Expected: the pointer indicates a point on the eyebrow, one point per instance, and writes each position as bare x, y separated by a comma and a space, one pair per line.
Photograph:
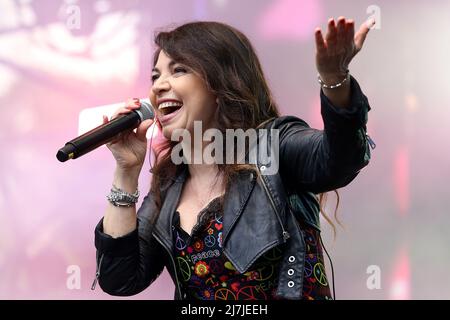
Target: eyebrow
171, 63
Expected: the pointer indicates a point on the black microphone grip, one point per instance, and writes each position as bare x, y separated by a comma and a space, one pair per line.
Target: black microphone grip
103, 133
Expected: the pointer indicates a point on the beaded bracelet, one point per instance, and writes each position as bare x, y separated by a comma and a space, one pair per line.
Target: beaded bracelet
333, 86
120, 198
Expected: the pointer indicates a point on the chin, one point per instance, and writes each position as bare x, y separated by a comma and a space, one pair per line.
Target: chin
168, 130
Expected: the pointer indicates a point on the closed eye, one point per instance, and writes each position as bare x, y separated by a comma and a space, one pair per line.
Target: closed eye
154, 77
175, 70
180, 69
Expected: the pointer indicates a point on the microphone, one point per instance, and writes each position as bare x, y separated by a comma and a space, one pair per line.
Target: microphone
105, 133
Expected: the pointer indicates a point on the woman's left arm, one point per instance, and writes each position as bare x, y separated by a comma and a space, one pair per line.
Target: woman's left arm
333, 56
323, 160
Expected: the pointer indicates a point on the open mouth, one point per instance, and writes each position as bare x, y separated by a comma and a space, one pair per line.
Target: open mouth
169, 107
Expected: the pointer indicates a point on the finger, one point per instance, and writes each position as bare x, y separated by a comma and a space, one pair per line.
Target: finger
350, 31
132, 102
114, 140
341, 34
123, 110
142, 129
105, 119
360, 36
132, 107
331, 34
320, 42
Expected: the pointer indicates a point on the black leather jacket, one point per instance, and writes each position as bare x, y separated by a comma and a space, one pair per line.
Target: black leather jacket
311, 161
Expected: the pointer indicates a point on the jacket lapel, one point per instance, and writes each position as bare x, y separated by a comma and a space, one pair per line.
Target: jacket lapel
251, 227
165, 220
235, 200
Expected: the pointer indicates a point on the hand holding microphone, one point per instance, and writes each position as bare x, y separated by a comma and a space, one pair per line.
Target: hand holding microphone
128, 148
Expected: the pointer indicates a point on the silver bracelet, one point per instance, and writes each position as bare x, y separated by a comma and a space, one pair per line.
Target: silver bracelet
333, 86
120, 198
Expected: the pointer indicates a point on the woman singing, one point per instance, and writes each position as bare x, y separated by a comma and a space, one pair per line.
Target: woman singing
231, 230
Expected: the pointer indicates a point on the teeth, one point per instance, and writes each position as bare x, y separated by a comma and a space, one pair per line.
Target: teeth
169, 104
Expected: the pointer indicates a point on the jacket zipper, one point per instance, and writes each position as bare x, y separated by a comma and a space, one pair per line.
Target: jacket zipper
285, 233
97, 272
371, 142
173, 263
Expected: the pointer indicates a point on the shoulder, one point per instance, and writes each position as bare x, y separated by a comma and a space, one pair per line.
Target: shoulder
287, 121
286, 127
284, 122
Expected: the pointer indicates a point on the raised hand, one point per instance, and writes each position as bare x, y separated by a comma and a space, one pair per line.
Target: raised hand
341, 44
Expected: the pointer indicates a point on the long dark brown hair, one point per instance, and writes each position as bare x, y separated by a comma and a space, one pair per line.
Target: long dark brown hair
226, 60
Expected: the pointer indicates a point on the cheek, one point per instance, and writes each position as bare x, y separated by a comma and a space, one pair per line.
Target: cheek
202, 108
208, 112
152, 99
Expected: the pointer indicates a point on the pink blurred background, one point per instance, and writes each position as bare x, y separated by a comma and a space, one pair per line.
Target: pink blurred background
59, 58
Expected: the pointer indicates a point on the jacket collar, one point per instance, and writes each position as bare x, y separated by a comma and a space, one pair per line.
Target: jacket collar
234, 203
172, 192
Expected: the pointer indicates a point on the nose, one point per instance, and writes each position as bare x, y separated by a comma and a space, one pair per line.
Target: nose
160, 85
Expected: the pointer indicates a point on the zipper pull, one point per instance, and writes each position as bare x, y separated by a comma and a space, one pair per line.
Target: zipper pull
97, 273
286, 235
95, 281
371, 142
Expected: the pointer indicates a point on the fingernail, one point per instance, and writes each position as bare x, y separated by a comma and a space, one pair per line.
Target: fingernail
370, 22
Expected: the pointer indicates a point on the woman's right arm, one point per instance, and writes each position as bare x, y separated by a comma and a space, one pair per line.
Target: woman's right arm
128, 257
119, 221
129, 261
128, 149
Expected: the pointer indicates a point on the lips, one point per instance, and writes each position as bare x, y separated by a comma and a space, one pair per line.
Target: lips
168, 109
164, 118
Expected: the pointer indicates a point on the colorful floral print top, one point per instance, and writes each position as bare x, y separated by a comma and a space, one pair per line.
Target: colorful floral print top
205, 273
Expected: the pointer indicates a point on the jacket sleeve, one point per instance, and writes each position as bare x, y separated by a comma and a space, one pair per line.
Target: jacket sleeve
323, 160
129, 264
